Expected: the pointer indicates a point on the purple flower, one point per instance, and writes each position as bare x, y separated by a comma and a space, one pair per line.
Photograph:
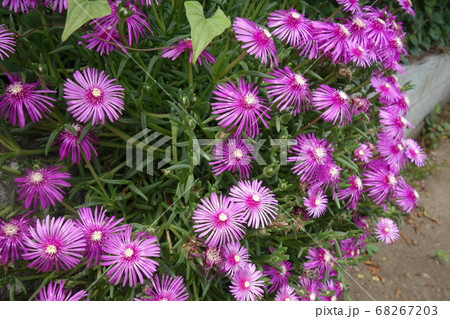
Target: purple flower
54, 243
393, 124
97, 230
232, 155
350, 5
56, 292
257, 41
380, 181
278, 277
20, 5
333, 39
130, 257
315, 203
42, 186
336, 102
406, 196
400, 105
321, 260
13, 234
310, 153
329, 286
257, 202
290, 89
166, 289
349, 248
353, 192
359, 104
7, 42
22, 98
240, 106
357, 26
326, 175
393, 51
415, 153
385, 88
363, 152
362, 56
235, 257
71, 148
246, 284
393, 150
286, 293
290, 26
58, 5
93, 97
386, 230
103, 39
377, 31
407, 6
174, 52
219, 218
310, 287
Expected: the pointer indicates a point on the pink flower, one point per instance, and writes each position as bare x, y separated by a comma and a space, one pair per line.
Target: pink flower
93, 97
166, 289
70, 147
13, 234
336, 102
311, 287
240, 107
380, 180
386, 88
219, 218
257, 202
315, 203
42, 186
290, 89
246, 284
20, 5
326, 175
415, 153
286, 293
54, 243
22, 98
386, 230
321, 261
363, 152
174, 52
235, 258
58, 5
353, 192
56, 292
103, 39
290, 26
278, 278
7, 42
257, 41
406, 196
393, 150
130, 257
333, 39
393, 124
359, 104
407, 6
350, 5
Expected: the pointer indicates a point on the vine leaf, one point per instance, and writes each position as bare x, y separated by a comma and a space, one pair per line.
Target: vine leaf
204, 30
81, 11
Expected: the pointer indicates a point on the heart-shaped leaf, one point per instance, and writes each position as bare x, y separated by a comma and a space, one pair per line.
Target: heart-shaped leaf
81, 11
204, 30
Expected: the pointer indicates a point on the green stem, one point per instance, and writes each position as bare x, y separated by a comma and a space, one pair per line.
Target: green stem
117, 132
6, 144
11, 170
122, 32
68, 207
158, 116
308, 125
6, 210
159, 22
101, 276
2, 67
190, 75
94, 174
233, 64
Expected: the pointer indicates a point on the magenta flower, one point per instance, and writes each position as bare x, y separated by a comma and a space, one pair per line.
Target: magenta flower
174, 52
333, 39
286, 293
56, 292
407, 6
315, 203
130, 257
385, 88
357, 26
42, 186
97, 230
329, 286
232, 155
93, 97
100, 39
309, 153
13, 234
20, 5
350, 5
353, 192
349, 248
400, 105
415, 153
22, 98
166, 289
380, 181
7, 42
393, 51
387, 231
361, 56
290, 26
219, 218
320, 260
326, 175
257, 41
235, 258
290, 90
278, 278
336, 102
58, 5
257, 202
240, 107
364, 153
71, 148
393, 124
406, 196
310, 287
246, 284
377, 31
392, 150
54, 243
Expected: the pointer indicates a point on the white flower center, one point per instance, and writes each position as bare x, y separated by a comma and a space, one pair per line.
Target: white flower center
238, 153
299, 79
400, 147
128, 252
96, 235
407, 100
392, 180
10, 230
360, 23
312, 296
416, 194
360, 49
51, 249
398, 42
387, 230
358, 182
223, 217
256, 198
387, 85
334, 172
317, 202
267, 33
237, 258
246, 284
320, 152
250, 99
404, 120
15, 88
287, 299
381, 21
36, 177
342, 95
344, 30
361, 152
295, 15
327, 257
96, 92
334, 298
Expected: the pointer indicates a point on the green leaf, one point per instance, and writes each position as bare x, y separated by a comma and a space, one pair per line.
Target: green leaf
81, 11
204, 30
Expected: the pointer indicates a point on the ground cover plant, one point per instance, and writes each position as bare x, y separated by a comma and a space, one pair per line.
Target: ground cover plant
184, 150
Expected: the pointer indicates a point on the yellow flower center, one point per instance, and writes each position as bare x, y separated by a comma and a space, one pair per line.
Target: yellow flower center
15, 88
96, 92
36, 177
10, 230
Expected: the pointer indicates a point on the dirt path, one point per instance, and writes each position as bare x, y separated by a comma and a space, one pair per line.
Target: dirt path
405, 270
